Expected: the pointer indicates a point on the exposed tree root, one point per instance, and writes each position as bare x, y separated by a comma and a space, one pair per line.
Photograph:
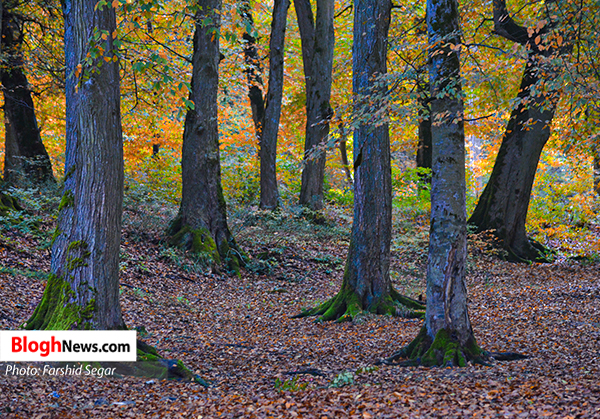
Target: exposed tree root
507, 356
202, 243
8, 203
445, 351
346, 305
534, 252
523, 250
151, 365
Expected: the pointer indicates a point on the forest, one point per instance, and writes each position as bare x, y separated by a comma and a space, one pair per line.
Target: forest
325, 208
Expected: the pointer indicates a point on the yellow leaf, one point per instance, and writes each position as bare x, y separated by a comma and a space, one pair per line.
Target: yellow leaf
107, 59
114, 34
104, 36
115, 3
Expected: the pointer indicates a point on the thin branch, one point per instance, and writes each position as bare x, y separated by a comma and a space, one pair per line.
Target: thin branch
344, 10
487, 46
481, 117
169, 49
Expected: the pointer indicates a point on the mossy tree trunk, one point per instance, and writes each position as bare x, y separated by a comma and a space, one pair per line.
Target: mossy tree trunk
503, 205
83, 289
447, 336
26, 160
7, 203
366, 284
201, 225
269, 195
317, 37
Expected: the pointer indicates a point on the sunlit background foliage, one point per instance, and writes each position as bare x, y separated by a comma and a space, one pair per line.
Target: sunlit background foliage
155, 40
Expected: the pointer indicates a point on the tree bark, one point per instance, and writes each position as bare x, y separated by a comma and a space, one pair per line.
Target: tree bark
424, 159
318, 40
26, 160
83, 288
366, 284
596, 157
446, 290
201, 225
253, 69
269, 195
344, 155
447, 337
503, 205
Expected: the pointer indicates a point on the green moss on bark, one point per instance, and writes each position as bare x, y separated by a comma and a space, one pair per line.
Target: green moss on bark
201, 242
347, 304
150, 364
57, 232
443, 351
77, 254
57, 311
8, 203
67, 200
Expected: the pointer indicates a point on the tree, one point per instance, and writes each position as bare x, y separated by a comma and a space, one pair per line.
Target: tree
366, 284
596, 157
201, 225
447, 337
503, 204
25, 160
317, 37
424, 129
269, 195
266, 112
83, 289
253, 68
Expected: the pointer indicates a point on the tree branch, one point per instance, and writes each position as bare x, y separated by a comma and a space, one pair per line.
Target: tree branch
505, 26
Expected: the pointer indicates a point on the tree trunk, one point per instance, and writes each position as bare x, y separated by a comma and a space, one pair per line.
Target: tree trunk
366, 284
269, 196
317, 53
596, 155
26, 160
447, 337
424, 159
83, 288
201, 225
253, 69
344, 155
503, 204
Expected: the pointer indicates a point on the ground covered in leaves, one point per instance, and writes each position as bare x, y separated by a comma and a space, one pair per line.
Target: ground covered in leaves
237, 333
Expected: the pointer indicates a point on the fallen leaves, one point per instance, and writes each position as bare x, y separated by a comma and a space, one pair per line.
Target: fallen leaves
237, 334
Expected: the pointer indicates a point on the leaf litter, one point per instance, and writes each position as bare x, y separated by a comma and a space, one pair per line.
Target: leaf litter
237, 334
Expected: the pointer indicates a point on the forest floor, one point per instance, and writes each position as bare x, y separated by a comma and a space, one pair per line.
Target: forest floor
237, 333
